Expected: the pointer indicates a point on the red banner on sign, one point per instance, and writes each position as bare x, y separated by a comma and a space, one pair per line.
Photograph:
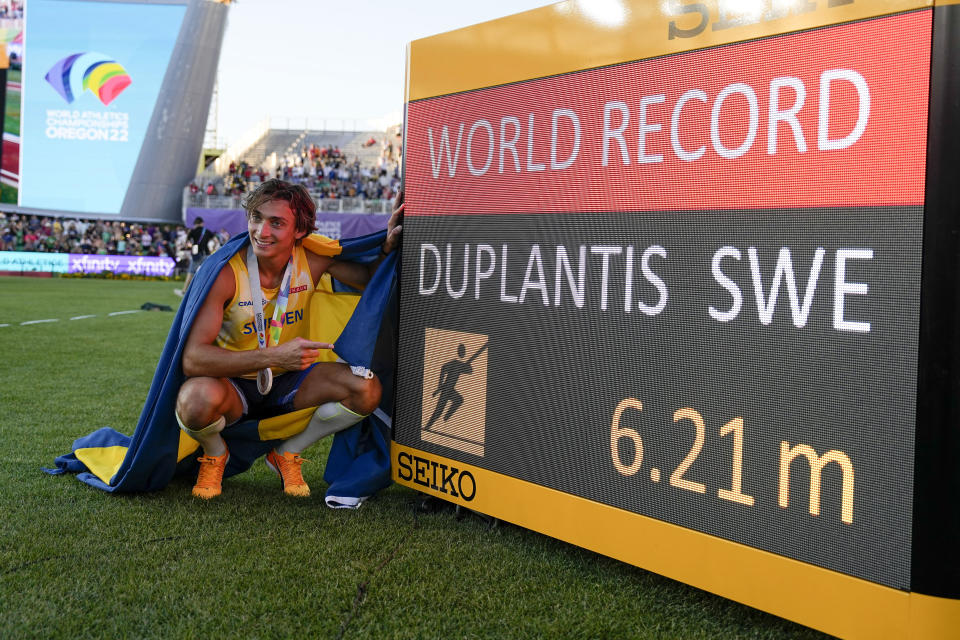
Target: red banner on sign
830, 117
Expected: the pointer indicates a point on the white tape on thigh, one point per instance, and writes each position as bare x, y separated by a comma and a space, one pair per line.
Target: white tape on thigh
357, 370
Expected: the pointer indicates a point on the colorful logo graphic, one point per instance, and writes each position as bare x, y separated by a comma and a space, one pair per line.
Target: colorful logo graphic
455, 390
99, 73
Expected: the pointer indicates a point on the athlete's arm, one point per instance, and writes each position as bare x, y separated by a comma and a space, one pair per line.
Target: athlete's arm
357, 274
201, 357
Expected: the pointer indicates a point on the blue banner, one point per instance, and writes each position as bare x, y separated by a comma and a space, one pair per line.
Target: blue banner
90, 83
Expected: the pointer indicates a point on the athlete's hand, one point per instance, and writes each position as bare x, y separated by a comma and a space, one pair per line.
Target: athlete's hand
394, 225
298, 354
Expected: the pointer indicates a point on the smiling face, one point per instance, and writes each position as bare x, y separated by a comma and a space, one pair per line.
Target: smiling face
273, 231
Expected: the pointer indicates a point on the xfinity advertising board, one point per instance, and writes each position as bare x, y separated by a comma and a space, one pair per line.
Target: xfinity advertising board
27, 261
90, 82
669, 308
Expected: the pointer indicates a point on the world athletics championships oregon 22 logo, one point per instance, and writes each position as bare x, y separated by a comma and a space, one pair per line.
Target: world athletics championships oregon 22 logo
76, 73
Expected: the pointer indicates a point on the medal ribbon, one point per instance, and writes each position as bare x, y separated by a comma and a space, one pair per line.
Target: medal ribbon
265, 376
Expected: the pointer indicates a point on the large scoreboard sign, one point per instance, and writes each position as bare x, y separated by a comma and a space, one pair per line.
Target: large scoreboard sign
679, 286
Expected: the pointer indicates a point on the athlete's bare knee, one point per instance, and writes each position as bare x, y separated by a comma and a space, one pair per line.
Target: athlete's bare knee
365, 396
199, 401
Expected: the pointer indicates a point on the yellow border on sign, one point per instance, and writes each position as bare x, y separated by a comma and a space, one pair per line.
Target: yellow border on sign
820, 598
566, 37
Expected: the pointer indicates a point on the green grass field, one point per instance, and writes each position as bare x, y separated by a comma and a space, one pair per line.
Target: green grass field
78, 562
11, 124
11, 120
8, 194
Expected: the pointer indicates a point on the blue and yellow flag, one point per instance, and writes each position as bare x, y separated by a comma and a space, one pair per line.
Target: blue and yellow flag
359, 462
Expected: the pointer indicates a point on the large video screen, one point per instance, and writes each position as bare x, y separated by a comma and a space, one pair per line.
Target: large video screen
91, 77
685, 287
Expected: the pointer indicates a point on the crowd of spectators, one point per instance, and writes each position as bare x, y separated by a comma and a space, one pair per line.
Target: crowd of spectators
103, 237
11, 9
240, 178
327, 173
324, 171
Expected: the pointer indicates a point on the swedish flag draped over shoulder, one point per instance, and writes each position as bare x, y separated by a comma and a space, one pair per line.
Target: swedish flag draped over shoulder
359, 462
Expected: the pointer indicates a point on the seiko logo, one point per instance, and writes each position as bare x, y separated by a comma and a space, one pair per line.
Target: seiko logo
727, 15
434, 475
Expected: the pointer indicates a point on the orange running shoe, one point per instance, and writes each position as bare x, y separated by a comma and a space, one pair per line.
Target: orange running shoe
210, 476
287, 466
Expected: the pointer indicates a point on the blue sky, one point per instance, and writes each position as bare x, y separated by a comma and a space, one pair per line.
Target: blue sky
338, 60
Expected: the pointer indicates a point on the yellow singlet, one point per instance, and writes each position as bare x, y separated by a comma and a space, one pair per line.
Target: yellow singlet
237, 332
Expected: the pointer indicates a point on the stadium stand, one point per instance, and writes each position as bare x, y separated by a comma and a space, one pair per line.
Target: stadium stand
345, 171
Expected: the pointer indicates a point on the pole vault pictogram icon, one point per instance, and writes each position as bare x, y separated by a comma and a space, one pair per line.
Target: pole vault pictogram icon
450, 373
455, 389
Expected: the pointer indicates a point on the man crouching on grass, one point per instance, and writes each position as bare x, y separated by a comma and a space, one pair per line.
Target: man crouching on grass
231, 341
